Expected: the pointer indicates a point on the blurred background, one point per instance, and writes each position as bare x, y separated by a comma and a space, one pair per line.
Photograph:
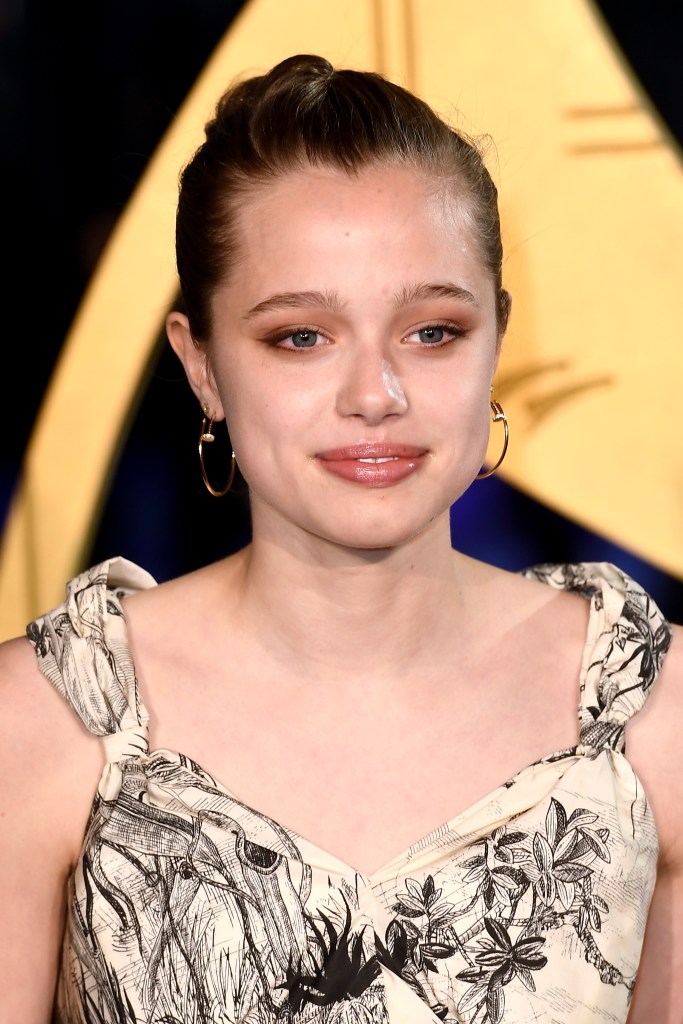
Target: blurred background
86, 94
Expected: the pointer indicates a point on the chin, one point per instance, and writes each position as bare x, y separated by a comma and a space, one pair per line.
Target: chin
380, 537
383, 525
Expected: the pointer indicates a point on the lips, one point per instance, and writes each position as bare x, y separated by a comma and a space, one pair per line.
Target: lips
373, 464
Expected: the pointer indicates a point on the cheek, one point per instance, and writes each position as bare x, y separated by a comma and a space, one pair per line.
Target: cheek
460, 399
464, 422
265, 411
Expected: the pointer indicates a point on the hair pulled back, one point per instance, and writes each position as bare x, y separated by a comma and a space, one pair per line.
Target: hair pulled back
304, 111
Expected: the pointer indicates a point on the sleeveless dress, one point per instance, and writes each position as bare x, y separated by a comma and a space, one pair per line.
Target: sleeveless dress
187, 905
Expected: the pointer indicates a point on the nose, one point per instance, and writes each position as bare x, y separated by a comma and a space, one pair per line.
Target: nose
370, 389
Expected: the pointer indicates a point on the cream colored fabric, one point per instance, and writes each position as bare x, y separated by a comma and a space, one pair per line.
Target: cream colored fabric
188, 905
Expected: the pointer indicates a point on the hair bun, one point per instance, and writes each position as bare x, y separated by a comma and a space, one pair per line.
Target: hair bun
302, 65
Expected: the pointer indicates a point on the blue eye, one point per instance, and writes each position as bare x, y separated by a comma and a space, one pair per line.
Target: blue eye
431, 335
304, 339
434, 335
298, 339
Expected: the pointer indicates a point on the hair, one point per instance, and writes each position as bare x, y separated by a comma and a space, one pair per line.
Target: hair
305, 112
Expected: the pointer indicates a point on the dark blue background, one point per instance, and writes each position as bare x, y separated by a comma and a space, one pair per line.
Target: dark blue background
85, 95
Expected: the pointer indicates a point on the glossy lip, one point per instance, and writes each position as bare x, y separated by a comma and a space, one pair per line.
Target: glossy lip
403, 461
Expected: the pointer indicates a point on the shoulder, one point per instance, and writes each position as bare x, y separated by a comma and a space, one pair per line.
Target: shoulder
49, 767
545, 600
176, 614
31, 709
654, 748
671, 676
50, 763
50, 709
37, 725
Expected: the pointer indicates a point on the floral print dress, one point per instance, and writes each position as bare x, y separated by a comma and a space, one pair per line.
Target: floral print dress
187, 905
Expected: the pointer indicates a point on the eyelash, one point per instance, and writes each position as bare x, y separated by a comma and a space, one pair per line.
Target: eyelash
452, 329
276, 339
440, 325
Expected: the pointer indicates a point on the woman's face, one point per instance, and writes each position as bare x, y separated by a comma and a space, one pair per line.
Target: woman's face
353, 350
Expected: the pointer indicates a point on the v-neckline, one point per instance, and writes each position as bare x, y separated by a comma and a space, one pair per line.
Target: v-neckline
425, 841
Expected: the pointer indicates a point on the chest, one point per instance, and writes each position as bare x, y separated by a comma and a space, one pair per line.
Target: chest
300, 928
364, 774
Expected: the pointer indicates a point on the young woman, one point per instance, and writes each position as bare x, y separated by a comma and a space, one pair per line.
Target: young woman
344, 779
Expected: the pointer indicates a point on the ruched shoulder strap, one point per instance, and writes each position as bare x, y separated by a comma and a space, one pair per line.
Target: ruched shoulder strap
82, 648
627, 639
625, 649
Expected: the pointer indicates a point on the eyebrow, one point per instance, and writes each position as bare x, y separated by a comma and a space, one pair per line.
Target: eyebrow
445, 290
331, 301
290, 300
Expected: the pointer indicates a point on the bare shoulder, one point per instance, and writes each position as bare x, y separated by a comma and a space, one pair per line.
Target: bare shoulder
531, 585
28, 702
164, 620
654, 749
514, 599
49, 767
27, 698
44, 748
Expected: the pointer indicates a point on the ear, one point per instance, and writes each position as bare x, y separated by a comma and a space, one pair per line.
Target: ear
195, 359
505, 306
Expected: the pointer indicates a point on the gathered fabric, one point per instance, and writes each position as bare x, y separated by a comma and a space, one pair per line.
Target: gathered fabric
187, 905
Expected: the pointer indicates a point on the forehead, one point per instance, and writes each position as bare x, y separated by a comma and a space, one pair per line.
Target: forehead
333, 194
382, 222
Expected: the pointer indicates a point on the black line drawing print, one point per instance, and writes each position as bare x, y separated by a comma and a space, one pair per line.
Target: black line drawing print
189, 906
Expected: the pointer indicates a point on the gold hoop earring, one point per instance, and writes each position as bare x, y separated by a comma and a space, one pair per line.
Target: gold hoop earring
206, 436
497, 415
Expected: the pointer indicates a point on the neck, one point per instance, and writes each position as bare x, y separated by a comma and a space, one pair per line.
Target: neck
333, 612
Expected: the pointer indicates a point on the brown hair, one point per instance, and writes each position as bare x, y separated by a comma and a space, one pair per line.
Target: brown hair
305, 111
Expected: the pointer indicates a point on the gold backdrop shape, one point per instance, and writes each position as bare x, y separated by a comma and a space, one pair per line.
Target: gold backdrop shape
592, 205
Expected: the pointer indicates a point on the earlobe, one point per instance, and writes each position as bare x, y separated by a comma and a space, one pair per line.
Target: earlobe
194, 358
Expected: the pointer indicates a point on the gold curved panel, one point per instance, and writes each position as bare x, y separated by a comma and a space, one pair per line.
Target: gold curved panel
592, 208
592, 204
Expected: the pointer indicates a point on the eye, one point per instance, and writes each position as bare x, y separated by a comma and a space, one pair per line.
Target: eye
431, 335
299, 340
434, 335
303, 339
